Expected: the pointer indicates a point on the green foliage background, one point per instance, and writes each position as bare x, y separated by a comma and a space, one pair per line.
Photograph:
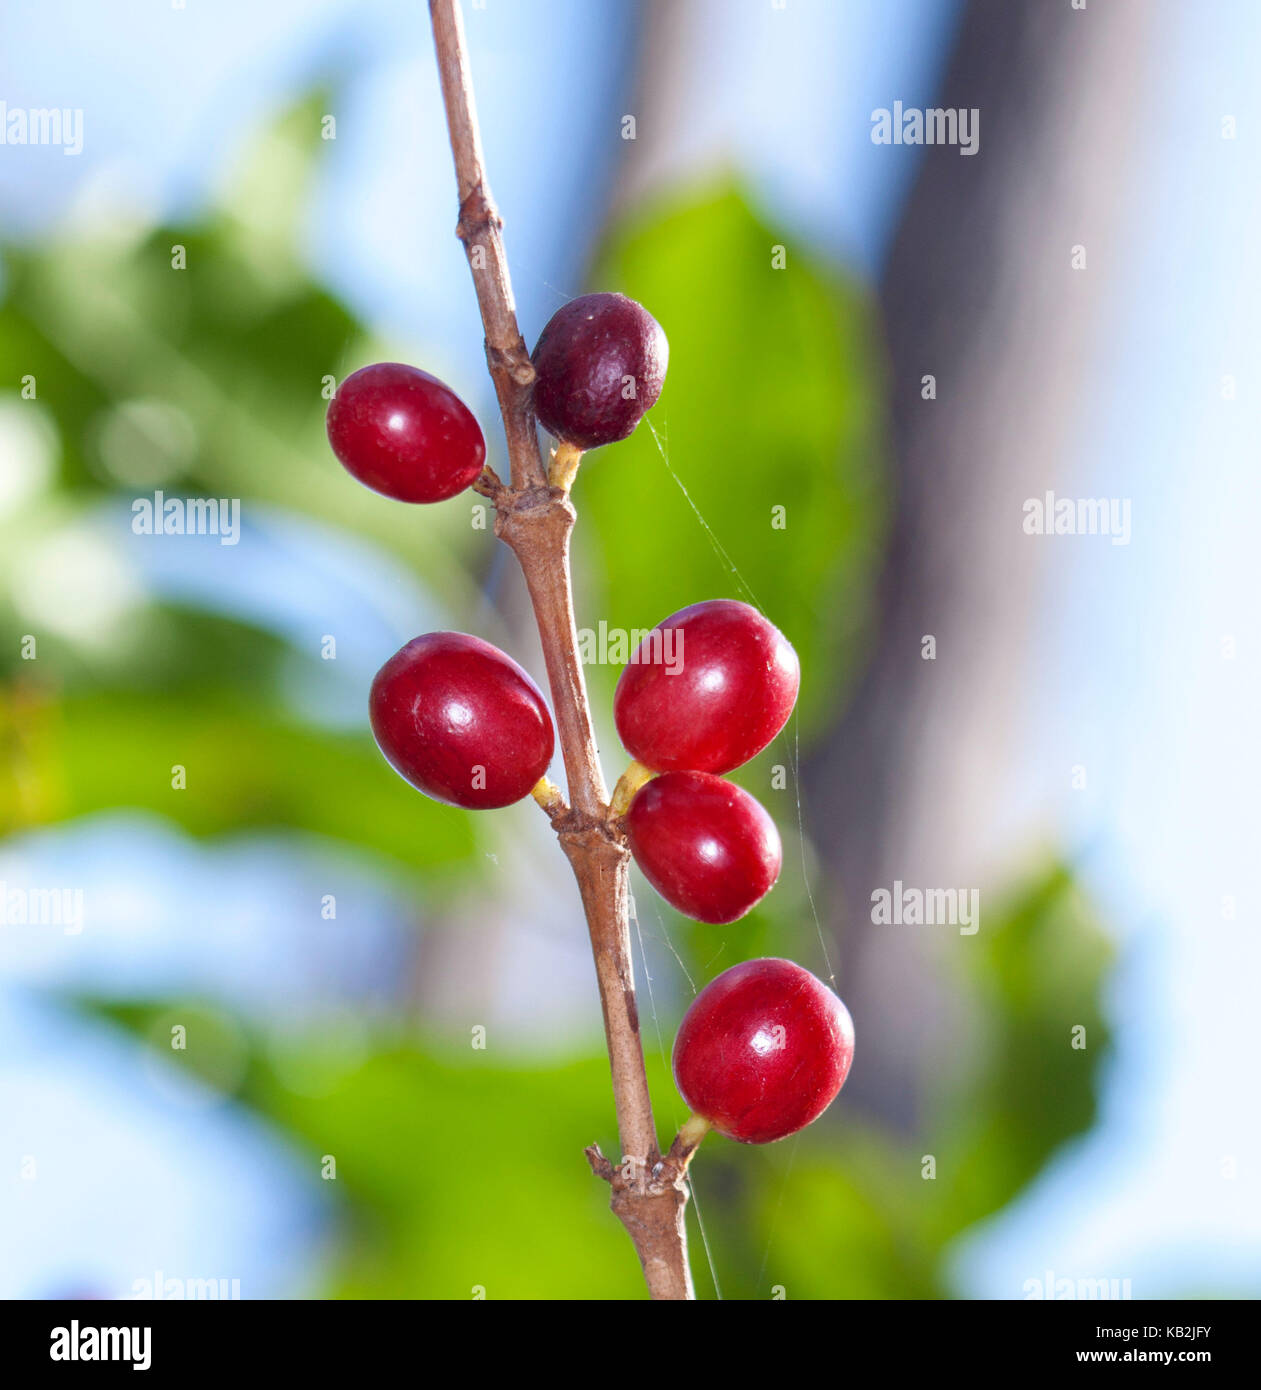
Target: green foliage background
457, 1171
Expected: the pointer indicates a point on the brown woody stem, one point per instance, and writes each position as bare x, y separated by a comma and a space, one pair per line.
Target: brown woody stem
535, 518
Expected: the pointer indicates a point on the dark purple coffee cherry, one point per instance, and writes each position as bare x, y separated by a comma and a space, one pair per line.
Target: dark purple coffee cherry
600, 364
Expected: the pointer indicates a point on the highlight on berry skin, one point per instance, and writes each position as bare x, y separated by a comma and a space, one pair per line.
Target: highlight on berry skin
461, 721
706, 845
727, 690
763, 1051
600, 364
405, 434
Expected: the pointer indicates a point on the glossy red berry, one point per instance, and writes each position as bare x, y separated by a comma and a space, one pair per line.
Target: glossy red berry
704, 844
763, 1050
600, 365
707, 689
461, 721
404, 433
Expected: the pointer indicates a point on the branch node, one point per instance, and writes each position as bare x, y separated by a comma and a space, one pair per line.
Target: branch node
600, 1165
477, 213
489, 484
514, 361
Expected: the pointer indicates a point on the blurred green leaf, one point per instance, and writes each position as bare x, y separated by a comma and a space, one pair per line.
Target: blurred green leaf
840, 1222
247, 767
1038, 977
231, 353
465, 1172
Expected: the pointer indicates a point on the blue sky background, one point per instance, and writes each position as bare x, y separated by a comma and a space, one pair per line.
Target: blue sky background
1143, 696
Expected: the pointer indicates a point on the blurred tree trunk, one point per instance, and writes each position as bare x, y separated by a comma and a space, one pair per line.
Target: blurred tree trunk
915, 781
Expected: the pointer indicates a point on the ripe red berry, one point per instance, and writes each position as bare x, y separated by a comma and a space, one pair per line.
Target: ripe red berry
707, 689
404, 433
600, 365
704, 844
461, 721
763, 1050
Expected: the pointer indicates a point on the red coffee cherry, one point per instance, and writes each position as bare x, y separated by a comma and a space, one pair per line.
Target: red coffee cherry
704, 844
405, 434
763, 1050
600, 364
461, 721
707, 689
